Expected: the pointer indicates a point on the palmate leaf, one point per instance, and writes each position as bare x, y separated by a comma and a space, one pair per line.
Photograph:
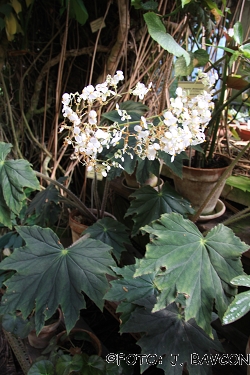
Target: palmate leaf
42, 367
49, 275
170, 338
112, 233
149, 205
14, 176
199, 267
45, 205
130, 288
5, 212
176, 165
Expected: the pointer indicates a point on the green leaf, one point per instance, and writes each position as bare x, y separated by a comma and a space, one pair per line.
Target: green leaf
158, 32
130, 288
43, 367
201, 56
55, 276
93, 365
238, 33
5, 212
150, 5
78, 11
188, 263
245, 49
112, 233
149, 205
176, 165
66, 364
166, 334
114, 369
45, 205
241, 304
14, 176
144, 168
6, 9
134, 109
185, 2
17, 325
136, 4
198, 58
239, 182
238, 308
212, 5
243, 280
181, 69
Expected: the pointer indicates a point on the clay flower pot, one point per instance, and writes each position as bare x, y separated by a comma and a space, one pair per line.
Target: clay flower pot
67, 340
244, 131
42, 340
197, 183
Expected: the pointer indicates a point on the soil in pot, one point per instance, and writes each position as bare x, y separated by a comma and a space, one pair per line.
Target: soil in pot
197, 183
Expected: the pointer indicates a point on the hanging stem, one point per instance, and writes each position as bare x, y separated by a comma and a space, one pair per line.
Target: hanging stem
238, 216
105, 197
79, 204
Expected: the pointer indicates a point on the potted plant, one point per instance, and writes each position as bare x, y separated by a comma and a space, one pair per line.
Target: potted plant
157, 287
204, 160
78, 351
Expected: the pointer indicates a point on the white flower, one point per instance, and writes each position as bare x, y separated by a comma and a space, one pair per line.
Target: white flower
170, 119
92, 117
140, 90
137, 128
144, 122
178, 91
119, 75
122, 113
77, 130
66, 99
73, 117
100, 134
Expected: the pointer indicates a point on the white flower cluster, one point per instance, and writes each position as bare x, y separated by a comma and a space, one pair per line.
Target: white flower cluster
181, 125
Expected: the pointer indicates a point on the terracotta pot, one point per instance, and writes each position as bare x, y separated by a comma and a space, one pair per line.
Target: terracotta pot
77, 227
63, 338
197, 183
244, 131
131, 182
46, 334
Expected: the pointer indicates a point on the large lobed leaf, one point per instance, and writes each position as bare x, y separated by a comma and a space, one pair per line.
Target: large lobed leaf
49, 275
14, 176
199, 267
170, 338
46, 206
130, 288
112, 233
149, 204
